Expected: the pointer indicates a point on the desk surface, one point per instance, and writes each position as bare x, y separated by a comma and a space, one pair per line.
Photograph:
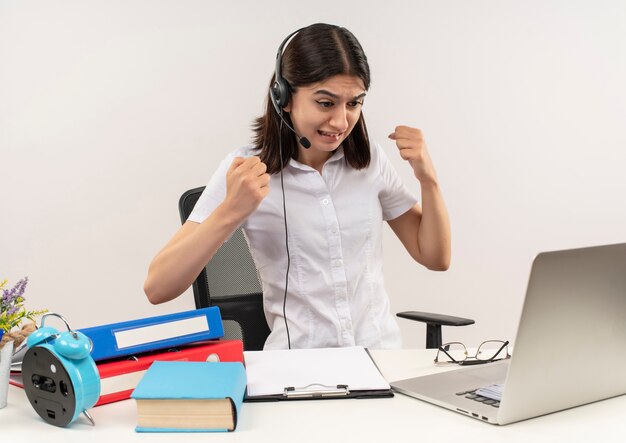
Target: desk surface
397, 419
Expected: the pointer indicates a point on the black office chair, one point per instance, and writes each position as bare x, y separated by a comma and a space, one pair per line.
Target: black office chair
230, 281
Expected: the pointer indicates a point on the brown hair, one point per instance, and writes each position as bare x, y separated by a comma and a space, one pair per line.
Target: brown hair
315, 53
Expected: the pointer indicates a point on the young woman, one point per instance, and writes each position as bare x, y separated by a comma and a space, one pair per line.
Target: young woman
338, 189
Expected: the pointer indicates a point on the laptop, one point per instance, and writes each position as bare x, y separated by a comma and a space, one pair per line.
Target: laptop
570, 348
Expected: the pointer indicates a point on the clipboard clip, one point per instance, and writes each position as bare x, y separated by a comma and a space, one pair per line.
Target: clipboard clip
316, 390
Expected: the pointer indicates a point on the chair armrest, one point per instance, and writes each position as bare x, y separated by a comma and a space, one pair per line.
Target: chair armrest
434, 323
436, 319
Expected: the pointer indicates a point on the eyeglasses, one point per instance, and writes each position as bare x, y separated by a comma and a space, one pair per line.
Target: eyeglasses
488, 351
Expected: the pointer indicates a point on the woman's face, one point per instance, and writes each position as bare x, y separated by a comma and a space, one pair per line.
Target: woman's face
326, 112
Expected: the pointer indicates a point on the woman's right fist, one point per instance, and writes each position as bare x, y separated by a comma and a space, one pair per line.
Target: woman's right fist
247, 184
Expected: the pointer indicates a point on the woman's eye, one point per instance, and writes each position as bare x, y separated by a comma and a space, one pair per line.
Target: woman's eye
325, 104
355, 104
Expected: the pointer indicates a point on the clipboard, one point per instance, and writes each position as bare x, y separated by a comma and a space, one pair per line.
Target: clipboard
313, 374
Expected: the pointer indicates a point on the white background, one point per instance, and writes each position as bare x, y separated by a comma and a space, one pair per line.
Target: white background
110, 110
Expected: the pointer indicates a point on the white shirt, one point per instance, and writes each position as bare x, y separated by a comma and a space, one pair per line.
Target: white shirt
336, 295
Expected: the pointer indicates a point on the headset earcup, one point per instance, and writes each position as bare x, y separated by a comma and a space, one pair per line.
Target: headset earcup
73, 345
280, 92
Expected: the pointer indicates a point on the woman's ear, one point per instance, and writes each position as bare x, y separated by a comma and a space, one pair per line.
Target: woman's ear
288, 107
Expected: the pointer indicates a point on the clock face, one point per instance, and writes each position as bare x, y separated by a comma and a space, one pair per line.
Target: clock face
48, 386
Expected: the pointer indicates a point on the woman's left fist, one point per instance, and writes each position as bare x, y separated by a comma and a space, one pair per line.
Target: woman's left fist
410, 143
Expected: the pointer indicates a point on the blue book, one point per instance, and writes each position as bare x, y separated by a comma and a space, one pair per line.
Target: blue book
154, 333
185, 396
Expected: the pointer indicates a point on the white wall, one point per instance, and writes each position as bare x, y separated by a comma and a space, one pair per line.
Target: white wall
109, 110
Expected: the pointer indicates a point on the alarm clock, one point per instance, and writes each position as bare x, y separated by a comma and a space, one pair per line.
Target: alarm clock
60, 377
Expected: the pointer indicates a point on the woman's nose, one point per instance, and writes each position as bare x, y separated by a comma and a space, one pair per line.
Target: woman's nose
339, 119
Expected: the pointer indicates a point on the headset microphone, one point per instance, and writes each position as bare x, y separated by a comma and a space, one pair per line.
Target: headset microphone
306, 144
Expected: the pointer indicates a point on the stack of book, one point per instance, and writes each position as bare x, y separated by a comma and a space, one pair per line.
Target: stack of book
124, 351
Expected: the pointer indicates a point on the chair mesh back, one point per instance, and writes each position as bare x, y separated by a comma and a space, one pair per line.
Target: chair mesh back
231, 271
232, 330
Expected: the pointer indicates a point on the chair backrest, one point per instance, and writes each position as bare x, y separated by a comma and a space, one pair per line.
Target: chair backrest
230, 281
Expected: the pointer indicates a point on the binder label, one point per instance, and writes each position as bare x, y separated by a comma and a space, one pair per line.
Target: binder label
161, 331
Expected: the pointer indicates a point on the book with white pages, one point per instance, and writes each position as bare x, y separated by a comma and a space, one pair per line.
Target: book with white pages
306, 374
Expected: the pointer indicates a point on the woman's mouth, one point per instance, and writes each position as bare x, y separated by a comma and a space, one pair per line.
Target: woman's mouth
330, 136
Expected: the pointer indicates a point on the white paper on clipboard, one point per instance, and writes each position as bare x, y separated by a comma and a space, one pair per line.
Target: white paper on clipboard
271, 372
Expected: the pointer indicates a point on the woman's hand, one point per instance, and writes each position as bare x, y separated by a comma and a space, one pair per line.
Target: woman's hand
410, 142
247, 184
423, 230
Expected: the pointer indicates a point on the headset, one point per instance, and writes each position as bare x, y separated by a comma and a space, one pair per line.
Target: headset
279, 95
280, 91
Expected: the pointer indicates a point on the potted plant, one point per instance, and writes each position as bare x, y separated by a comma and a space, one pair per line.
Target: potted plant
12, 314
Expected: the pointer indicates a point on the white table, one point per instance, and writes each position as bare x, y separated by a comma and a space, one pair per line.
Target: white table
386, 420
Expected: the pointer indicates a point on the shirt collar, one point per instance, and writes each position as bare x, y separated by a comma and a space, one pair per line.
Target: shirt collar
337, 155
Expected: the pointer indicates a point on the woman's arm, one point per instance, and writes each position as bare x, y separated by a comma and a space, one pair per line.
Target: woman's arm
178, 264
424, 231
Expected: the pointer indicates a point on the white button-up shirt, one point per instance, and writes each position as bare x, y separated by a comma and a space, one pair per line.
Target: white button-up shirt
336, 294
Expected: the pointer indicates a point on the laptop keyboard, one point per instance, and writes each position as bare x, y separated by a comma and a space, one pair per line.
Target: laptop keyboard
472, 395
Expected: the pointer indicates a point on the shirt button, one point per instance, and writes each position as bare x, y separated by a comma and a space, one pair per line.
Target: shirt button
338, 263
325, 201
334, 230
